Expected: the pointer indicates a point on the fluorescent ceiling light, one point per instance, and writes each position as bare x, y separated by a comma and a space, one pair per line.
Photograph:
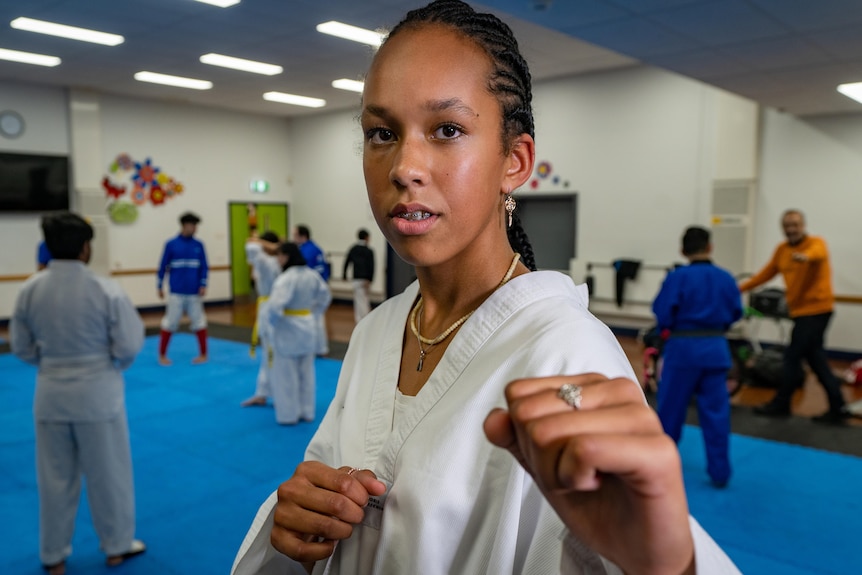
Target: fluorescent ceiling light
220, 3
240, 64
349, 85
177, 81
349, 32
295, 100
853, 90
64, 31
28, 58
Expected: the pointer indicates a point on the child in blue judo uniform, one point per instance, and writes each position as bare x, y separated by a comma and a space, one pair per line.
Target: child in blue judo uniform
697, 303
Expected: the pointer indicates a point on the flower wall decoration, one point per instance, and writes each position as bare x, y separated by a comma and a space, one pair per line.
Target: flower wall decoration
544, 172
133, 184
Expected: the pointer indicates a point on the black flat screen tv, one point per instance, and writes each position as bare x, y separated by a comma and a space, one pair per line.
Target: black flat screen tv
33, 182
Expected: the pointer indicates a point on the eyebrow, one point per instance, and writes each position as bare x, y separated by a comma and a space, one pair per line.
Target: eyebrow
453, 104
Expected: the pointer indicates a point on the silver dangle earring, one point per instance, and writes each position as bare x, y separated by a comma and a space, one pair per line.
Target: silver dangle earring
510, 204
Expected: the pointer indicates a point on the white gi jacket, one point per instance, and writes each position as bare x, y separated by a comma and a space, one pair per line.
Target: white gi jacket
456, 503
265, 268
82, 331
301, 293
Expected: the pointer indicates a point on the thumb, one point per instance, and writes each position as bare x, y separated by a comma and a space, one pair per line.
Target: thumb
370, 482
499, 431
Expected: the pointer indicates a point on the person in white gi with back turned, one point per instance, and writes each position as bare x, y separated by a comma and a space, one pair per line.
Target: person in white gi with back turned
265, 268
406, 473
298, 295
82, 331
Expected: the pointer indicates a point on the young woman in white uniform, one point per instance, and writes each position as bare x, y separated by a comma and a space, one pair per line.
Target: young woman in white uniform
297, 295
401, 477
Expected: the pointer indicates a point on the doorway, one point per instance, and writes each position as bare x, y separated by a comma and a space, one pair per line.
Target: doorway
244, 218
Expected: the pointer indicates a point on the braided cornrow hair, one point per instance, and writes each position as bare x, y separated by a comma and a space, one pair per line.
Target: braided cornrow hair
509, 81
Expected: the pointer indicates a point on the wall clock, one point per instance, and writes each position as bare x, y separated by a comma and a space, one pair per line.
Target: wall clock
11, 124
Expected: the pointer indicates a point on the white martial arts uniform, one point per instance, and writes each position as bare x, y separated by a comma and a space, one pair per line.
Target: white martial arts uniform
264, 268
82, 331
298, 295
456, 503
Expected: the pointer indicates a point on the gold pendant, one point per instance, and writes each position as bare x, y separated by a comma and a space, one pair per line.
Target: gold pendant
421, 360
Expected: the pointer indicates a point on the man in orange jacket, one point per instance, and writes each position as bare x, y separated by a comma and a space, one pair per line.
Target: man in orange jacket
803, 261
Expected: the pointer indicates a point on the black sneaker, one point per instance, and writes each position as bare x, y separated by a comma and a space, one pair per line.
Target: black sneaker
772, 410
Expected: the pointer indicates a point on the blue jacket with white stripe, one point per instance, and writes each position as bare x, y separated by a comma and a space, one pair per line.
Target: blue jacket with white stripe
187, 261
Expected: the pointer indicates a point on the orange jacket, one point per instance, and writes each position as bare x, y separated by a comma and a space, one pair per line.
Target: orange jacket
808, 284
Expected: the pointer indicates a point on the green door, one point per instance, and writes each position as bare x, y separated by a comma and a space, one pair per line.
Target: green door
243, 218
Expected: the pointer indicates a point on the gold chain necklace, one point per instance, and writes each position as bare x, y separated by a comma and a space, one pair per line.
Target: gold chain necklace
417, 311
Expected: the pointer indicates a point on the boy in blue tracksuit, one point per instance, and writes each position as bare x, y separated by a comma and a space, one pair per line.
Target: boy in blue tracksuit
186, 259
697, 303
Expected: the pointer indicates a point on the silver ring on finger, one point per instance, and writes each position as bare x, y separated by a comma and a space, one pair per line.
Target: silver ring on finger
571, 393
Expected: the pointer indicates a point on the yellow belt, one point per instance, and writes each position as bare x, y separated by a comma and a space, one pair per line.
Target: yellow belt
254, 332
297, 312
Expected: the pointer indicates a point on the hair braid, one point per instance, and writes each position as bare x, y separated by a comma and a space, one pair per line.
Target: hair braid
510, 79
521, 243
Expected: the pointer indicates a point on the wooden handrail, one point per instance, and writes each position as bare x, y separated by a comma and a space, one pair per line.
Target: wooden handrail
848, 299
18, 278
154, 271
140, 272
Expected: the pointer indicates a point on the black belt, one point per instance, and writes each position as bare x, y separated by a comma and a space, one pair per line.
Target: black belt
698, 333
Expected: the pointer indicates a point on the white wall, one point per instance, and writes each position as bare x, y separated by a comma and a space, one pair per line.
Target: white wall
329, 188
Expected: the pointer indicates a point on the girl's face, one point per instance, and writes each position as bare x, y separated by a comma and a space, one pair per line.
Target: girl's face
434, 163
282, 259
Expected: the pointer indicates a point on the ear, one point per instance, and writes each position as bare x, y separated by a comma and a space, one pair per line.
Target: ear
520, 162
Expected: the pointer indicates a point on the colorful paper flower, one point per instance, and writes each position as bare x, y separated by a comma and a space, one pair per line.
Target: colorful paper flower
139, 194
124, 162
112, 190
543, 170
146, 173
157, 196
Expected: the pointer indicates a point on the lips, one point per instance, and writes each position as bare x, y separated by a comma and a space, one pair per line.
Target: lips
412, 219
416, 216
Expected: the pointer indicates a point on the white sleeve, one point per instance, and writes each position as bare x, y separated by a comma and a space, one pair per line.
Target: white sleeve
256, 555
252, 251
709, 559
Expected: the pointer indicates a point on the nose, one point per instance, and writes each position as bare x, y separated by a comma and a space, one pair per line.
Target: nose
409, 163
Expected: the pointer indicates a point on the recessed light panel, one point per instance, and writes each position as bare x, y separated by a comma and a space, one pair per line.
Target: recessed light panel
220, 3
241, 64
63, 31
177, 81
349, 85
28, 58
853, 90
294, 100
349, 32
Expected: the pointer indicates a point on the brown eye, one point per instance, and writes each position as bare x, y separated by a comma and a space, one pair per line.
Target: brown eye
447, 132
379, 135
